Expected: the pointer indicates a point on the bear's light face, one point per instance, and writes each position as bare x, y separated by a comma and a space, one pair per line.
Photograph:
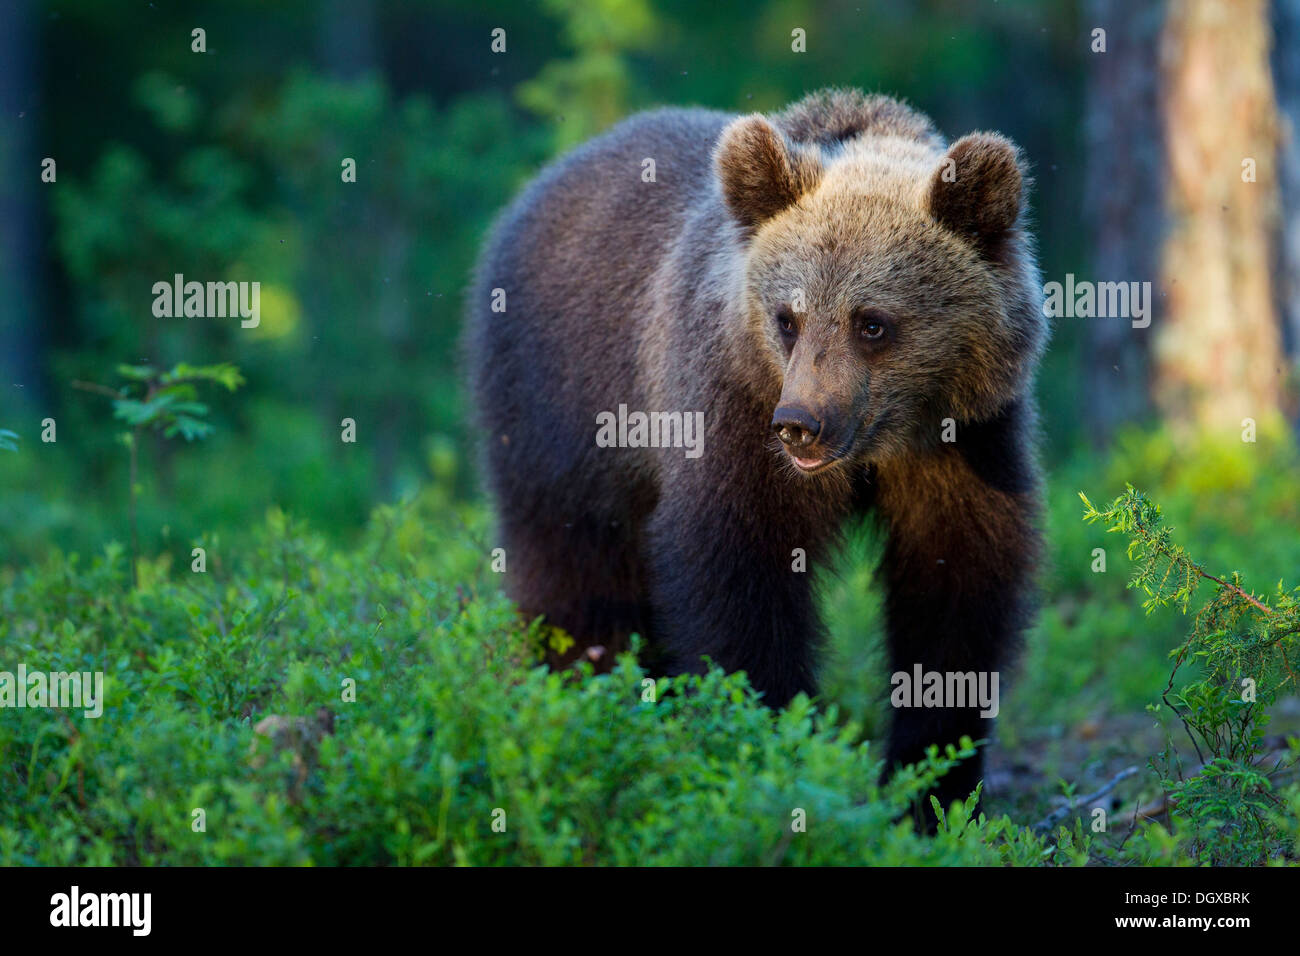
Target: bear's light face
881, 324
881, 301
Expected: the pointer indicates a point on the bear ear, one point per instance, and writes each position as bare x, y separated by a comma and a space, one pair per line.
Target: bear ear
760, 173
976, 190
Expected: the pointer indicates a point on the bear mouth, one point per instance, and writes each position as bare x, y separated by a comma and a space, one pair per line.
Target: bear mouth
811, 465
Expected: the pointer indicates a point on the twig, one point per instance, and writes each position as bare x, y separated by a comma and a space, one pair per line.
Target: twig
1056, 816
1160, 805
97, 389
1232, 587
1187, 727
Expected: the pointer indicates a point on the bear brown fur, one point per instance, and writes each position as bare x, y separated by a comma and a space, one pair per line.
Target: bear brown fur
854, 306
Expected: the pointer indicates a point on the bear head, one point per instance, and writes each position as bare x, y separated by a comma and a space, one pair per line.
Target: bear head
888, 285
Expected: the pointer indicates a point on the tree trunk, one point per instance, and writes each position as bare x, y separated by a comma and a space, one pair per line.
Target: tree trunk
21, 342
1286, 79
1123, 205
1218, 351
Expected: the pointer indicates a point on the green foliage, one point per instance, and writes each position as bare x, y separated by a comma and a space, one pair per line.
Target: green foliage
1240, 650
1089, 654
168, 401
591, 89
360, 295
452, 721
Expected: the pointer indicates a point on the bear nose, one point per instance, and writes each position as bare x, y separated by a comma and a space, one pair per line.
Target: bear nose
796, 427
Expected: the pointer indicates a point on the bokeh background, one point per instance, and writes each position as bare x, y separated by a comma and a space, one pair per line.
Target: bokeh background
225, 165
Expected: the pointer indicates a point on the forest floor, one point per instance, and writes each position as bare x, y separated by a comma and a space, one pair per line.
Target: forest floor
1026, 781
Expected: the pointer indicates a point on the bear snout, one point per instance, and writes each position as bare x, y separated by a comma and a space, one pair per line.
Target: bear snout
796, 427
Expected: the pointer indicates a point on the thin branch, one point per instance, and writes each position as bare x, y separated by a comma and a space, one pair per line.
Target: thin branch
97, 389
1232, 587
1056, 816
1164, 696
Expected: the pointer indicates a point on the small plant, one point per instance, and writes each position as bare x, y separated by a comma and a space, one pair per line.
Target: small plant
1241, 649
166, 402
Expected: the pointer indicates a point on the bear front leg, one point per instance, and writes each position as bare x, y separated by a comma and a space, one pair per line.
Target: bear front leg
728, 583
957, 568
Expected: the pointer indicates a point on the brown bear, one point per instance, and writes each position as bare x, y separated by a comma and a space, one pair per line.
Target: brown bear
701, 344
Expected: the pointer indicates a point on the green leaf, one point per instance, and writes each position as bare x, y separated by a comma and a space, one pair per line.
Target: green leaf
188, 428
224, 374
137, 373
141, 413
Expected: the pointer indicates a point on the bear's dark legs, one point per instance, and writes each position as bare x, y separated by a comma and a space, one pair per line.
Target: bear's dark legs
720, 595
931, 628
584, 575
957, 568
725, 576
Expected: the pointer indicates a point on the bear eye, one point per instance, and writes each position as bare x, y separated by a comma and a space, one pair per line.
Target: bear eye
785, 320
873, 325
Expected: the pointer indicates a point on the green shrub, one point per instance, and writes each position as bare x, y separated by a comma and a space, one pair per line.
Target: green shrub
452, 720
1239, 651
